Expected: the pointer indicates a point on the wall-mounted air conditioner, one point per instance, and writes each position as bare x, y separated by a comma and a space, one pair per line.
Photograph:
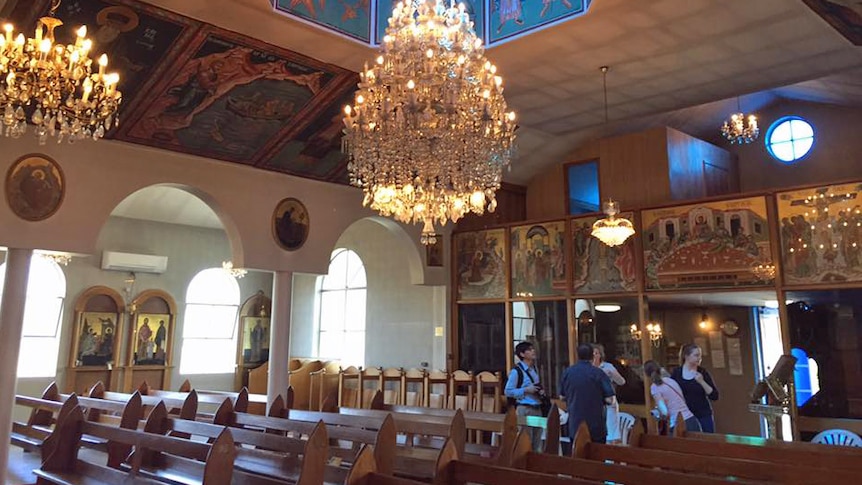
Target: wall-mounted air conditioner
138, 263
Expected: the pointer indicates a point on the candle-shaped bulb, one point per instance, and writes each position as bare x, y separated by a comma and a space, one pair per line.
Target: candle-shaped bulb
411, 84
103, 63
82, 32
45, 46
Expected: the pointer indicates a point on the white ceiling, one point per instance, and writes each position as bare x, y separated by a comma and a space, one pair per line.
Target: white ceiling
170, 205
679, 63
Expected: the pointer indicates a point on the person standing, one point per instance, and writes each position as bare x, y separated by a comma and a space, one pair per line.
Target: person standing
668, 397
586, 390
612, 411
523, 387
697, 386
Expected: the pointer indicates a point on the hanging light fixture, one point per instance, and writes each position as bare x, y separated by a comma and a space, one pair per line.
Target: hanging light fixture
612, 230
740, 129
54, 85
429, 131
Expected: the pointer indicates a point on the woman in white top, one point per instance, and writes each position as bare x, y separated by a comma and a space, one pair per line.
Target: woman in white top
612, 420
668, 397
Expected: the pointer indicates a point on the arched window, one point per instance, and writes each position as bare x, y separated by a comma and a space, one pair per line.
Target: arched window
209, 326
40, 338
341, 309
789, 139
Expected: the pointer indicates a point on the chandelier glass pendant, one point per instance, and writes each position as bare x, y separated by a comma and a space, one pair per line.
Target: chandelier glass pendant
429, 132
56, 86
740, 129
612, 230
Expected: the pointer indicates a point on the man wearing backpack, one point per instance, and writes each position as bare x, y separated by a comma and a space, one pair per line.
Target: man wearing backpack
523, 388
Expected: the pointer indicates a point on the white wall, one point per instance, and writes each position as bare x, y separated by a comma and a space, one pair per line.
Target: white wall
400, 315
189, 251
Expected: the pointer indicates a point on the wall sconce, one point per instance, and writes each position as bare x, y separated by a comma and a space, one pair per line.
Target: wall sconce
653, 330
704, 324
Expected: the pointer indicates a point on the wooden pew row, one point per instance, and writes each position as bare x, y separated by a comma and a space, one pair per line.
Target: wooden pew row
377, 432
262, 458
417, 458
365, 472
802, 455
524, 458
208, 404
212, 464
125, 415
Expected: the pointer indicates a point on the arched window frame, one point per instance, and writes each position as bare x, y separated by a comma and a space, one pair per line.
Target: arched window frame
43, 312
210, 323
340, 309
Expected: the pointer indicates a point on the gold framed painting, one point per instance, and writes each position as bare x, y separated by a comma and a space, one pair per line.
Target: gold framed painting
538, 259
821, 234
35, 187
481, 264
255, 340
96, 336
710, 244
290, 224
597, 267
152, 338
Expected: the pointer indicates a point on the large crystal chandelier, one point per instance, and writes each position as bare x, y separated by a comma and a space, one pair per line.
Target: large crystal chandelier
428, 133
612, 230
740, 129
56, 86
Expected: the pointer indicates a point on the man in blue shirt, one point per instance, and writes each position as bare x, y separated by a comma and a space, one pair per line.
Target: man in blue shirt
586, 390
523, 386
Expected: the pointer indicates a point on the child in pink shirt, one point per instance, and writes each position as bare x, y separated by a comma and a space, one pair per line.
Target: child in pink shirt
668, 397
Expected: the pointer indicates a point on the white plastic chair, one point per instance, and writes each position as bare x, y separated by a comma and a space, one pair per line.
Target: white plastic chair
839, 437
627, 422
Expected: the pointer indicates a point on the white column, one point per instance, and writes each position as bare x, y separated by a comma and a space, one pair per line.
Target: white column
279, 337
11, 325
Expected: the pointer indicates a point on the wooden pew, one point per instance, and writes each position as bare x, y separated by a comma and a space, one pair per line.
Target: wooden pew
268, 458
184, 408
378, 432
365, 472
450, 470
505, 425
524, 458
417, 457
209, 402
793, 453
212, 464
676, 456
125, 415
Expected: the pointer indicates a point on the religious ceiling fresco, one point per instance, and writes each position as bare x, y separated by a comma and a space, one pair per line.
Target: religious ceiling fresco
347, 17
845, 16
193, 88
495, 21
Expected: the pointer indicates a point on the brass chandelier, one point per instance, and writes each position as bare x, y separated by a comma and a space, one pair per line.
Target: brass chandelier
54, 86
740, 129
429, 132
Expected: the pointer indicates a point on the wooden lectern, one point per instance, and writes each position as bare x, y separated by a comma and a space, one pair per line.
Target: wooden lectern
775, 388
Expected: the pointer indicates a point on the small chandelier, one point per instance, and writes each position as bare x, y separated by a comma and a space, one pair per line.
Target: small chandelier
612, 230
429, 132
764, 271
54, 85
740, 129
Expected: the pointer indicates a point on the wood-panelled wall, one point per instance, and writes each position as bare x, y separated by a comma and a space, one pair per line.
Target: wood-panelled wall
511, 207
640, 169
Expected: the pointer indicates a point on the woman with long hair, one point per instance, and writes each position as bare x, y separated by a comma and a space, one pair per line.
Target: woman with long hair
697, 386
612, 411
668, 397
